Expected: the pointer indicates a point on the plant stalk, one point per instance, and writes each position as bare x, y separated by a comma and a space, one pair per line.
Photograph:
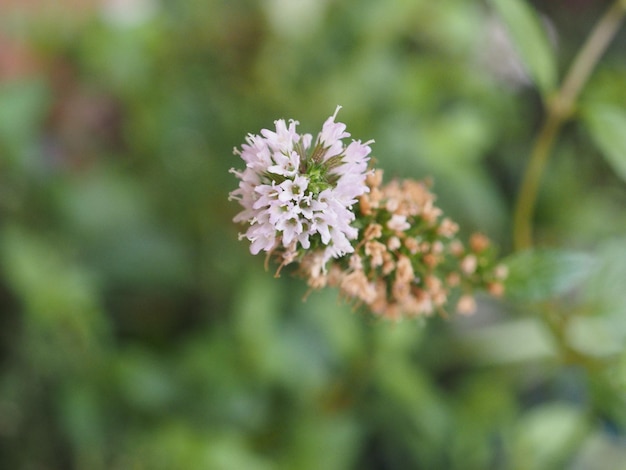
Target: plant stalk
558, 110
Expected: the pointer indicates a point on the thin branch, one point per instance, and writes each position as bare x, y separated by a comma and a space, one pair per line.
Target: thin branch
559, 110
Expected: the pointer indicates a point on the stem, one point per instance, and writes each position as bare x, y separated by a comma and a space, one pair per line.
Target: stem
522, 218
559, 109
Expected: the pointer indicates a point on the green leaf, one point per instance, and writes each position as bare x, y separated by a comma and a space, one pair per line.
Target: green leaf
536, 275
23, 110
607, 125
547, 435
531, 42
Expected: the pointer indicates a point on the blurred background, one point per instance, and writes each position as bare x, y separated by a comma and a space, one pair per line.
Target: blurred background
137, 332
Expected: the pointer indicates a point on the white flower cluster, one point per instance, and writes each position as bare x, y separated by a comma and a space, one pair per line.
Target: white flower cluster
297, 195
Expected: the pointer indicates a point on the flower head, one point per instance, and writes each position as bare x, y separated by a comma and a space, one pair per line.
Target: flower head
298, 196
303, 199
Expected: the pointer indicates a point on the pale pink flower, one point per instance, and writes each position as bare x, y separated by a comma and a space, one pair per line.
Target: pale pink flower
298, 196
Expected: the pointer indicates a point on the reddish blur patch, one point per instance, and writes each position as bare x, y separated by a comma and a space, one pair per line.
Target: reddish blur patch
17, 60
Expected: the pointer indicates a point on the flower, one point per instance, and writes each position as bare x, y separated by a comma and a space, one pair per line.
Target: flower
298, 195
304, 200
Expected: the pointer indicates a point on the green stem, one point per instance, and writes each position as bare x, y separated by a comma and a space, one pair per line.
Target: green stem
559, 109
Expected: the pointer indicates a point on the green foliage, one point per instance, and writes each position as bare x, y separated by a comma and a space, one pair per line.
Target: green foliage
531, 42
547, 435
138, 332
607, 125
542, 274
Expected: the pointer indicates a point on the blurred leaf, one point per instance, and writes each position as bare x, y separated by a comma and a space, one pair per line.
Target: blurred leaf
509, 342
606, 287
421, 415
456, 136
607, 125
600, 451
323, 440
82, 421
603, 332
541, 274
23, 105
61, 299
176, 444
595, 336
484, 404
255, 327
531, 41
331, 319
144, 381
547, 435
112, 218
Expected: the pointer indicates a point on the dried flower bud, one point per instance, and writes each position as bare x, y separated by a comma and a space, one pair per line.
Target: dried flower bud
312, 265
430, 259
392, 205
375, 251
501, 272
496, 289
389, 265
478, 242
456, 248
365, 205
401, 290
466, 305
394, 243
404, 269
372, 231
469, 264
355, 284
412, 245
448, 228
430, 213
375, 197
355, 263
374, 178
453, 279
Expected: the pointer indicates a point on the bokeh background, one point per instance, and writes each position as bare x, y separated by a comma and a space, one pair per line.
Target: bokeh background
137, 332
